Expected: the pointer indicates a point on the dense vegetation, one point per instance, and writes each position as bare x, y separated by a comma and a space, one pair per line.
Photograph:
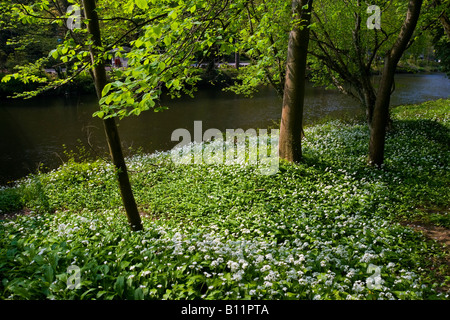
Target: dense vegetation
224, 232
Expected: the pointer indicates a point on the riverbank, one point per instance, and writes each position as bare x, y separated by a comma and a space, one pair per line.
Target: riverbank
37, 132
328, 228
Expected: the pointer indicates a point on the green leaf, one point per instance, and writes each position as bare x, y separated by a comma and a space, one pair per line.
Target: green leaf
99, 114
138, 294
86, 293
6, 78
176, 83
167, 40
174, 25
173, 14
119, 286
138, 43
38, 259
102, 100
106, 89
48, 273
142, 4
54, 54
124, 264
157, 30
109, 99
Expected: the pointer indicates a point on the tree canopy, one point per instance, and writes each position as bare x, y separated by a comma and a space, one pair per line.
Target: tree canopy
169, 39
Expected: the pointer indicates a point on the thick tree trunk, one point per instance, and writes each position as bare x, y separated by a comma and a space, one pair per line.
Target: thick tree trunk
381, 111
381, 115
290, 146
110, 126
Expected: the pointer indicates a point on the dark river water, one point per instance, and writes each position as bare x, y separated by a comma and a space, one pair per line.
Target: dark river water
33, 132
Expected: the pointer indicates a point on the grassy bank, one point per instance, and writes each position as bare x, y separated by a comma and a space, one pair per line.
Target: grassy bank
324, 229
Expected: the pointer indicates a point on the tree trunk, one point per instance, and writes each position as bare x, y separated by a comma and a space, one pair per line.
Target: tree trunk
445, 21
369, 98
112, 135
363, 83
381, 111
291, 127
237, 60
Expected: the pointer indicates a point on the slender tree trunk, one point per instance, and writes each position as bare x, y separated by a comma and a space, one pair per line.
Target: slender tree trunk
290, 143
237, 60
363, 84
367, 94
110, 126
381, 110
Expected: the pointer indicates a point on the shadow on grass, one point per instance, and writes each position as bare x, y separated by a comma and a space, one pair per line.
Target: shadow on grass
415, 170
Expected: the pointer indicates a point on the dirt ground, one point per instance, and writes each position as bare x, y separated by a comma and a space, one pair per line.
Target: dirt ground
440, 234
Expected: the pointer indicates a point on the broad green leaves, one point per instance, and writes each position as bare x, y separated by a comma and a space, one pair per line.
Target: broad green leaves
168, 39
142, 4
163, 56
264, 39
222, 232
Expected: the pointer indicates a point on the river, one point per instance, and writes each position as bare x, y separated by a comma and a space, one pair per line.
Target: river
34, 131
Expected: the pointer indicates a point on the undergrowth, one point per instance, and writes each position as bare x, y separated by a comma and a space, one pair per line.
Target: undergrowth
326, 228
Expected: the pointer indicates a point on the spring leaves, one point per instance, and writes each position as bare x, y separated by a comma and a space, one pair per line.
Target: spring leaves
160, 60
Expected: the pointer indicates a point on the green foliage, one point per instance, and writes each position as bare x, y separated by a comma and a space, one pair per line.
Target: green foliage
10, 200
442, 45
166, 41
225, 232
169, 40
263, 38
14, 85
162, 58
18, 44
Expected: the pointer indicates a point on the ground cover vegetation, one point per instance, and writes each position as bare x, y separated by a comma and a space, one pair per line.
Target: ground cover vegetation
326, 228
166, 42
